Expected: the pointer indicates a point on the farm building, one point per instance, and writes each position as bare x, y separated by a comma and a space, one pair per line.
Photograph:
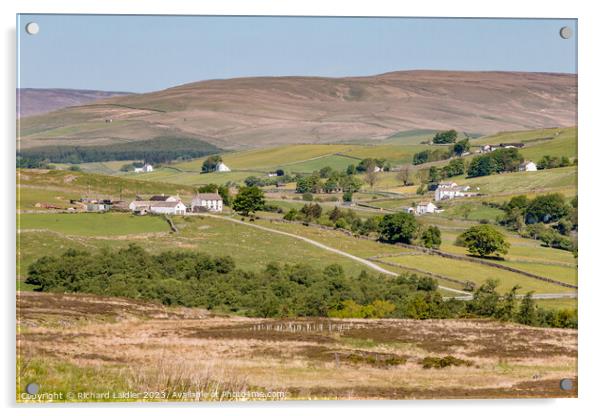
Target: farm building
221, 167
97, 207
487, 148
409, 210
144, 169
164, 198
425, 207
512, 145
451, 190
207, 202
527, 166
158, 207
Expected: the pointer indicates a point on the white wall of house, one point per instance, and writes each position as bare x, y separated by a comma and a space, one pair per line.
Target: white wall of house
210, 204
178, 209
221, 167
426, 209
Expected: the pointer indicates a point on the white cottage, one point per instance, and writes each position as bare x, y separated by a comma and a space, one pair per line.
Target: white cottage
527, 166
207, 202
425, 207
221, 167
144, 169
450, 190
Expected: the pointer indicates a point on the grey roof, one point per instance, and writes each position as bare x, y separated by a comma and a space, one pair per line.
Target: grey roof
206, 197
160, 204
159, 198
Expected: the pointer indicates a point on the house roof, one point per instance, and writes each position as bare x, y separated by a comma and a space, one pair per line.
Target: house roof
424, 203
159, 204
159, 198
207, 197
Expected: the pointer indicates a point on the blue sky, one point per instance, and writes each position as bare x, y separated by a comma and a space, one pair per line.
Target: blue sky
149, 53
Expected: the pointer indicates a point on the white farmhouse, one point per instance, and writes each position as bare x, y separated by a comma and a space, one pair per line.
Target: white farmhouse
221, 167
176, 207
144, 169
451, 190
425, 207
527, 166
207, 202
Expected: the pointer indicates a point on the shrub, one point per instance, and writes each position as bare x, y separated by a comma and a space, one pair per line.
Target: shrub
443, 362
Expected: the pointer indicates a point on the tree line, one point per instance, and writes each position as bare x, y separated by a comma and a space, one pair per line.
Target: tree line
196, 279
156, 150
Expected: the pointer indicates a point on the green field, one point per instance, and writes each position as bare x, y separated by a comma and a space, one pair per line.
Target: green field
251, 248
477, 273
80, 183
336, 162
93, 224
551, 180
553, 142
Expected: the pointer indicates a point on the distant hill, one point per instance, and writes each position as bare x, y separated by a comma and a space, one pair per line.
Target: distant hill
263, 111
32, 101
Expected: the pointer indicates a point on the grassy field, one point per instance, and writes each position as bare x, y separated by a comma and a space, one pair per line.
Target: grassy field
93, 224
269, 158
551, 180
251, 248
79, 343
79, 183
474, 272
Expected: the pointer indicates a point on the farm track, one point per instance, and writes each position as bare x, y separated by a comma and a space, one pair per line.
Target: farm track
365, 262
369, 263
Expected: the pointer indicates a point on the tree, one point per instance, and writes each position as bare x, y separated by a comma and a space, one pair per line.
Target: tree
279, 172
326, 171
254, 181
434, 175
210, 164
369, 164
335, 214
207, 189
398, 228
431, 237
485, 300
331, 185
350, 170
248, 200
350, 184
348, 196
460, 147
526, 311
311, 211
484, 240
404, 176
500, 160
546, 208
371, 178
443, 137
307, 184
454, 168
505, 312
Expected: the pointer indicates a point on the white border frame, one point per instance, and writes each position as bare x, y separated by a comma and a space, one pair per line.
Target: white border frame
590, 142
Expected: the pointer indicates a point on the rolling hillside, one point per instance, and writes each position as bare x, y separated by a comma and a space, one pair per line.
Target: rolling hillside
32, 101
257, 112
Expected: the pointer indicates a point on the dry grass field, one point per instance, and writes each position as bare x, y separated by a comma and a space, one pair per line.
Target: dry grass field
86, 344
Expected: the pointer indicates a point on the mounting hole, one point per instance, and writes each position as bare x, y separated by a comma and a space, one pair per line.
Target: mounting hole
566, 32
566, 384
32, 28
32, 388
